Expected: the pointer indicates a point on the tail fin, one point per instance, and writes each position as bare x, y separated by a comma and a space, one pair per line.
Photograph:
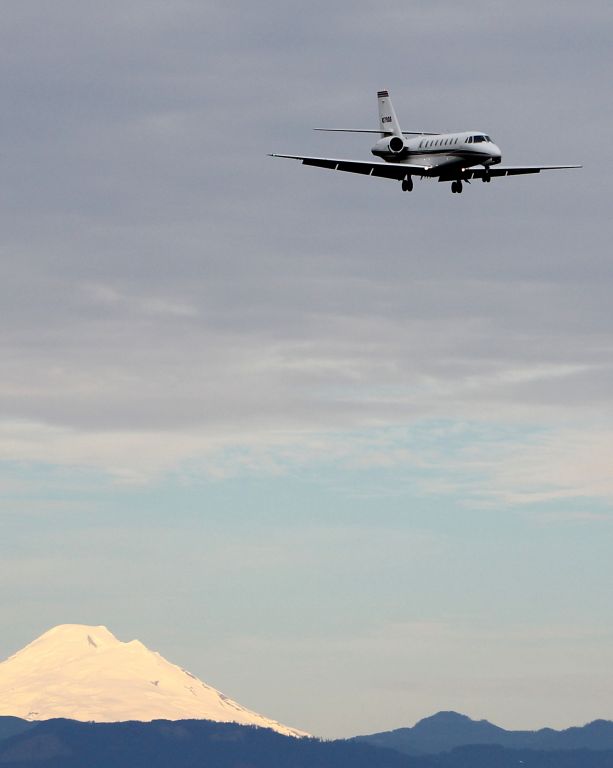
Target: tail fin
388, 121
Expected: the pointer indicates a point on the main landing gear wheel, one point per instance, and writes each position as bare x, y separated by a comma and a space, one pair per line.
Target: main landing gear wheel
407, 184
456, 186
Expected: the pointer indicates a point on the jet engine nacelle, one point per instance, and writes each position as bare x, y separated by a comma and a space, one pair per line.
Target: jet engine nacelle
390, 145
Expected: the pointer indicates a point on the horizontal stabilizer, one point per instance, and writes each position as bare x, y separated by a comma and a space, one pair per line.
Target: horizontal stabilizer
368, 130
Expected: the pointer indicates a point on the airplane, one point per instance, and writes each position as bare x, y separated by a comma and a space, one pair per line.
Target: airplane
455, 157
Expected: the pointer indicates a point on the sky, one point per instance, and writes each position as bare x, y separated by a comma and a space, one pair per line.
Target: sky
343, 452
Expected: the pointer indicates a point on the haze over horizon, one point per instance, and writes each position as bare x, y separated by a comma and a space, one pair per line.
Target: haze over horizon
344, 453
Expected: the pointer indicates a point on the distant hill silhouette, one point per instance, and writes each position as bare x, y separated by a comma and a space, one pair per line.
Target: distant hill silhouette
206, 744
11, 726
182, 744
448, 730
493, 756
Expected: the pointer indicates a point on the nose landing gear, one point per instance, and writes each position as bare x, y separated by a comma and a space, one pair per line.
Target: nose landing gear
456, 187
407, 184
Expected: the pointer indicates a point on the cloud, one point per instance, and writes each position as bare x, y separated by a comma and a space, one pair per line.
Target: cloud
562, 464
479, 463
171, 296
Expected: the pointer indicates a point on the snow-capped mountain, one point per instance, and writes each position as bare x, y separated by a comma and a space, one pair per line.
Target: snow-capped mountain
86, 673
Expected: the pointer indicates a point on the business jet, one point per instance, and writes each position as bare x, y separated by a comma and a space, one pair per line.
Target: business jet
455, 157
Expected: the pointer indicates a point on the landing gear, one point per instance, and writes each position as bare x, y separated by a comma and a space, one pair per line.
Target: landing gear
486, 178
407, 184
456, 187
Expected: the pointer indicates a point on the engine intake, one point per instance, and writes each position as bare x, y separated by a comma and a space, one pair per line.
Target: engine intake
390, 145
396, 144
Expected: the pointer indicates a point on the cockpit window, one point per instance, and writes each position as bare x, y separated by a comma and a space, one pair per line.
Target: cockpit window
469, 140
478, 139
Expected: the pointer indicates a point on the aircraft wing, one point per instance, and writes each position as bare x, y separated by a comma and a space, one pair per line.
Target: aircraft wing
386, 170
511, 170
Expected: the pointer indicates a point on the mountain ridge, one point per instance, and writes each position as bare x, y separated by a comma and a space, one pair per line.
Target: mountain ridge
448, 730
189, 743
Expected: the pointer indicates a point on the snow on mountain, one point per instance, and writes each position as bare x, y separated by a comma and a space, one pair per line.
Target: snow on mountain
85, 673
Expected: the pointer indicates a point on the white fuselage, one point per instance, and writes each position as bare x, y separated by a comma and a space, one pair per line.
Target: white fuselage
442, 152
405, 155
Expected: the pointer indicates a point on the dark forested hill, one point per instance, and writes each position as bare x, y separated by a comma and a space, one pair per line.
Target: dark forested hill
182, 744
10, 726
204, 744
448, 730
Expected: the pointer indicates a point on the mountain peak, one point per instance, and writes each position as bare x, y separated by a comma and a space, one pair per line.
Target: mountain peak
446, 716
454, 725
82, 672
65, 634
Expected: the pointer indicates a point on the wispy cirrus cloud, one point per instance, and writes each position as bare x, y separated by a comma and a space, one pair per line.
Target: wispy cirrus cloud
478, 463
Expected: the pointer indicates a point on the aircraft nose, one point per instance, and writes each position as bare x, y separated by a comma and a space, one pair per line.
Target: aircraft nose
496, 153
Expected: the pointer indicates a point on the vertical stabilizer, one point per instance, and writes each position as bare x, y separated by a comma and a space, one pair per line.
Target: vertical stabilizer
388, 122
